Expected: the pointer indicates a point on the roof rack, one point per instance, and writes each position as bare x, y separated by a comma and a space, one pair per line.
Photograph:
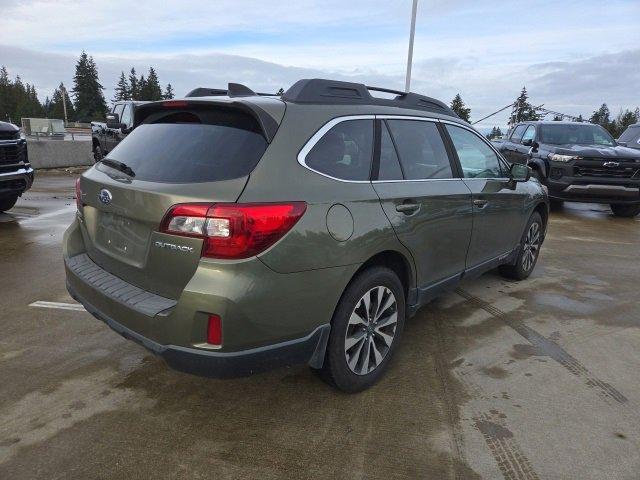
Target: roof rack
321, 91
233, 90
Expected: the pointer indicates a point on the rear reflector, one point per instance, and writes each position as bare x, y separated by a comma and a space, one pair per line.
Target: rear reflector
214, 330
233, 230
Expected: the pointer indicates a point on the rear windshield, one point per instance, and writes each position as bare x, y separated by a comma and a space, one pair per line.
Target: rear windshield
199, 145
578, 134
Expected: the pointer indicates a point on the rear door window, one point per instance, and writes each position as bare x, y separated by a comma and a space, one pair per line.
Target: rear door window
199, 145
421, 149
345, 151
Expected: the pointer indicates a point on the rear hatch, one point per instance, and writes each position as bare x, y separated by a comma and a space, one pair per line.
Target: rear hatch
179, 152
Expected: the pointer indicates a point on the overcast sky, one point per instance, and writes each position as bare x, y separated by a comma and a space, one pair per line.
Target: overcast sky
571, 55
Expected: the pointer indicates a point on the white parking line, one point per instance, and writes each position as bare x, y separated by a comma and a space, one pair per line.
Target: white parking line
59, 305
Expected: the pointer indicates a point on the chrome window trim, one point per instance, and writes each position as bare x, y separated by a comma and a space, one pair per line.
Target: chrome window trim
315, 138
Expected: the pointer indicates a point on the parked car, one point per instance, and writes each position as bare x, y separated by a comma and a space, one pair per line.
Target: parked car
631, 137
16, 174
235, 233
579, 162
118, 125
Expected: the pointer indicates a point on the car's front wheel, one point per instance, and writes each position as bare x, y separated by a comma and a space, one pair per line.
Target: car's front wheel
365, 330
627, 211
528, 252
7, 203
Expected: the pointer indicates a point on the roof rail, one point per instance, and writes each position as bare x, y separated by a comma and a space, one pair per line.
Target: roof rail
233, 90
319, 91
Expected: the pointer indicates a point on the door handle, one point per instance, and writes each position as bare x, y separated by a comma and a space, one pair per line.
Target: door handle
480, 203
407, 208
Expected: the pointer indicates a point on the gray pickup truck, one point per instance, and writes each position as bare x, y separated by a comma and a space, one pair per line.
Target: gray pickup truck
106, 136
16, 174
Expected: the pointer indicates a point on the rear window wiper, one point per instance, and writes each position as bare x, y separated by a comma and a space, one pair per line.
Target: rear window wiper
123, 167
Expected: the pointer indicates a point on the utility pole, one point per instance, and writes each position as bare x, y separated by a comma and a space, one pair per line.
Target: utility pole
414, 10
64, 102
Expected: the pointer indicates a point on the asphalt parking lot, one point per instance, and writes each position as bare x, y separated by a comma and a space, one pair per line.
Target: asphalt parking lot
529, 380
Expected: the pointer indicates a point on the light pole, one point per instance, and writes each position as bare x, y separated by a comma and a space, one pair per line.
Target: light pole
407, 84
63, 91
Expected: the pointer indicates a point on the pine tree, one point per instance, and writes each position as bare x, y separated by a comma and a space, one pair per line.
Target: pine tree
168, 92
580, 119
134, 88
623, 120
458, 106
122, 89
602, 117
87, 90
150, 89
142, 88
522, 109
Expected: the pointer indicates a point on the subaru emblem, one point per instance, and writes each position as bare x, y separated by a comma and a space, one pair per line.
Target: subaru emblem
105, 196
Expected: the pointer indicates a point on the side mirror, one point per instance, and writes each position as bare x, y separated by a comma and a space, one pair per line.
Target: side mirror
519, 172
113, 121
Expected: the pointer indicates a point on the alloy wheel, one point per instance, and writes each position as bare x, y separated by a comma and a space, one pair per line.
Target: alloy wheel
531, 246
371, 330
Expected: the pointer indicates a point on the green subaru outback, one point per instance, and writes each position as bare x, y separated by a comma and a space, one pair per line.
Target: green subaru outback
231, 232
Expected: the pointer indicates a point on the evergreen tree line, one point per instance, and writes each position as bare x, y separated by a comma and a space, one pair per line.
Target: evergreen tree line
141, 88
524, 111
17, 99
84, 102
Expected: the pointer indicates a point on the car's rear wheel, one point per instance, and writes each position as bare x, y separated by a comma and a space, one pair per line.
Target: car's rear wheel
7, 203
528, 252
627, 211
365, 330
97, 153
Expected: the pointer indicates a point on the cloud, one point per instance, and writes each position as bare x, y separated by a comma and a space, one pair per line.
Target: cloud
576, 87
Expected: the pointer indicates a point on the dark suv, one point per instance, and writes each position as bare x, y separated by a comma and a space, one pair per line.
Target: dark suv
579, 162
233, 232
118, 125
16, 174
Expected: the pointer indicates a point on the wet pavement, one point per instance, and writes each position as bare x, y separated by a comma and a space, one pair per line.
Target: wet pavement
537, 379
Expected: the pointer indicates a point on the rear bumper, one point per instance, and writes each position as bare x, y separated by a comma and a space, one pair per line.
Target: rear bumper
309, 349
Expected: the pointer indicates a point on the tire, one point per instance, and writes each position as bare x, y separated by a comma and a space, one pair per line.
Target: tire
626, 211
350, 369
97, 153
528, 252
7, 203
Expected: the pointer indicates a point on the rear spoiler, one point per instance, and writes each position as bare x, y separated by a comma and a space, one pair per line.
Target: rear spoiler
268, 124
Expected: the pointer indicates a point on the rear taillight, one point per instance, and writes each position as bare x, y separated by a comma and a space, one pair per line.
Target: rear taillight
78, 195
233, 230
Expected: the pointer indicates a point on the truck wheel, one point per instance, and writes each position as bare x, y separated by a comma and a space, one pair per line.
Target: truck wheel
97, 153
365, 330
627, 211
7, 203
528, 252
